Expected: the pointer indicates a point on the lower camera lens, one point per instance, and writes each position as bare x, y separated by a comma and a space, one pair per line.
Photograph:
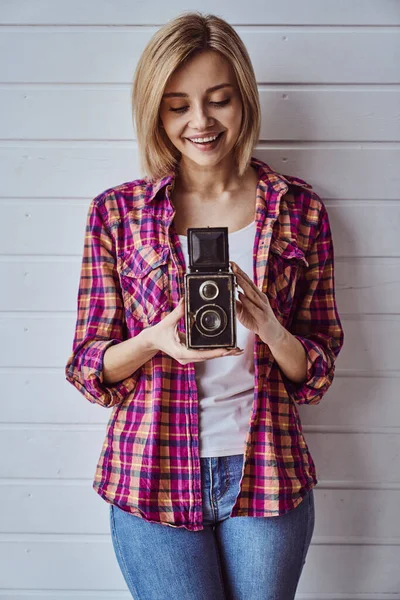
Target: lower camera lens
210, 320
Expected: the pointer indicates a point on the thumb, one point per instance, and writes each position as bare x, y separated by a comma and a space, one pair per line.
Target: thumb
179, 309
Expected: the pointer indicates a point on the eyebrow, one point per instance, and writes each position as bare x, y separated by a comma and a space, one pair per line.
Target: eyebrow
211, 89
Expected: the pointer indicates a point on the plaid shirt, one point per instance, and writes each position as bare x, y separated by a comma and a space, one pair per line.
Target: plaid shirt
132, 277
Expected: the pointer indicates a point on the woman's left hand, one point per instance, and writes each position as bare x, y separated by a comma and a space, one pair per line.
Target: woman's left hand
254, 311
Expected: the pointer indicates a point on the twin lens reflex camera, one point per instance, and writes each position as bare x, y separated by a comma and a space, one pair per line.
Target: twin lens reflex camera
210, 306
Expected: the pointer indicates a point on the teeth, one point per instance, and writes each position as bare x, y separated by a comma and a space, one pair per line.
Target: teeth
203, 140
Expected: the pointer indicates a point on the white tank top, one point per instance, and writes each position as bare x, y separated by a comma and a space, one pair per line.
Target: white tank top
226, 385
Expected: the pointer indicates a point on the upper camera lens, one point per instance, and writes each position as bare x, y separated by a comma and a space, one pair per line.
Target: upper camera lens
208, 290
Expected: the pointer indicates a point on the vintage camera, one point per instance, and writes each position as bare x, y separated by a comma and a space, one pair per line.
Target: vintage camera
210, 305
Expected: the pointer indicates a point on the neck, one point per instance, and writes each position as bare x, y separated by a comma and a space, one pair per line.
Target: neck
208, 181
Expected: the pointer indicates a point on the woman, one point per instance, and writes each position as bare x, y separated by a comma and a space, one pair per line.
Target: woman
209, 478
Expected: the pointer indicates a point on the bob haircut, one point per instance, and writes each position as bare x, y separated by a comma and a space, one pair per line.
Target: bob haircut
175, 42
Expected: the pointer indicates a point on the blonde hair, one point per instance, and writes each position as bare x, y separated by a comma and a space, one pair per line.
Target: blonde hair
169, 47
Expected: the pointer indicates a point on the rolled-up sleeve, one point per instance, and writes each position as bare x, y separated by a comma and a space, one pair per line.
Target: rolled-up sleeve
316, 322
100, 321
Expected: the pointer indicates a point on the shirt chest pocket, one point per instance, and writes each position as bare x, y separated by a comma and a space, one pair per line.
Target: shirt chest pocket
143, 276
285, 264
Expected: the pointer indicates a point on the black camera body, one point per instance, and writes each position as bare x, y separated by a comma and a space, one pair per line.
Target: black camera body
210, 304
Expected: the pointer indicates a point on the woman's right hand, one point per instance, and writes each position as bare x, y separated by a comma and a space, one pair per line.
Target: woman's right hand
165, 336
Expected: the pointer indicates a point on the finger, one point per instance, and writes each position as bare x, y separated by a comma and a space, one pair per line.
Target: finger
253, 311
250, 289
197, 360
181, 339
178, 311
207, 356
199, 355
251, 295
244, 278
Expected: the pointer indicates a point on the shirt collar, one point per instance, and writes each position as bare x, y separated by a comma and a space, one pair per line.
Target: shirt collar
273, 179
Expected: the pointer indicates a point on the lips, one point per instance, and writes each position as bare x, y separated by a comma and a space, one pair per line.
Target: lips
205, 144
205, 135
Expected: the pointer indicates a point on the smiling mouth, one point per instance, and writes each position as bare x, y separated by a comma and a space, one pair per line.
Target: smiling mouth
207, 144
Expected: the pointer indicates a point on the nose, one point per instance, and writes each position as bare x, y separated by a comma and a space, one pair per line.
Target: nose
200, 118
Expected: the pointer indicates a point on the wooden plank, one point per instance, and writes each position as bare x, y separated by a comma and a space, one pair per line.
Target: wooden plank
289, 113
371, 344
363, 285
97, 595
83, 170
364, 457
279, 55
351, 515
355, 248
351, 402
328, 569
34, 401
358, 403
257, 12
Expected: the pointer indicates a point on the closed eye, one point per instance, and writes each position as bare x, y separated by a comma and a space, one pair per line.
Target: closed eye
183, 109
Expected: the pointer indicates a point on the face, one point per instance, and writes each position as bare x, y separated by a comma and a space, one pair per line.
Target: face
201, 102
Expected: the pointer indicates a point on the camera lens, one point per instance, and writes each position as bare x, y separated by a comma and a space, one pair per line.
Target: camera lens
208, 290
210, 320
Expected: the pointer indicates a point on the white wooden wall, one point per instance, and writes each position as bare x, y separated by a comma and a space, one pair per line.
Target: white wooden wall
329, 77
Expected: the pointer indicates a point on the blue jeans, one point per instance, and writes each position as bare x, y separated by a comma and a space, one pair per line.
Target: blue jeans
230, 559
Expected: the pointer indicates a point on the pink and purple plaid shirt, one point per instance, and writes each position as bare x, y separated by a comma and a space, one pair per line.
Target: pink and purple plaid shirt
131, 277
